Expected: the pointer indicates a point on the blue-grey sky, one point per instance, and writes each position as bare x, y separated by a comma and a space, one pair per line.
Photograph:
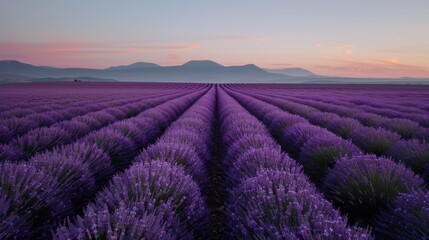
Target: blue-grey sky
342, 38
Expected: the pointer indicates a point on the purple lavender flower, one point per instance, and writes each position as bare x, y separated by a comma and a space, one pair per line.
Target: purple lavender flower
19, 126
103, 117
74, 111
97, 161
271, 114
148, 126
10, 153
281, 205
233, 120
295, 136
374, 140
178, 154
231, 133
422, 134
56, 115
123, 223
369, 119
362, 185
20, 112
76, 128
12, 224
343, 126
118, 113
250, 162
155, 183
196, 125
407, 217
182, 136
89, 120
5, 134
40, 119
131, 131
32, 194
41, 139
74, 177
248, 142
322, 118
412, 153
281, 122
160, 116
321, 152
405, 127
120, 149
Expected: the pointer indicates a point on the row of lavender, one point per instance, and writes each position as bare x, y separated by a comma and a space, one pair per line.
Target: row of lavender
371, 139
415, 126
406, 121
29, 98
66, 131
267, 194
16, 121
24, 120
411, 99
23, 101
160, 195
374, 191
400, 100
38, 194
408, 125
102, 178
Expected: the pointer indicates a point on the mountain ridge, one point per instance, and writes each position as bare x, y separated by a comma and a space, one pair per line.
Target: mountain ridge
134, 66
202, 71
293, 72
192, 71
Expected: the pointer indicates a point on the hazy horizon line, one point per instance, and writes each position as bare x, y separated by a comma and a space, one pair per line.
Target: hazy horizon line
291, 66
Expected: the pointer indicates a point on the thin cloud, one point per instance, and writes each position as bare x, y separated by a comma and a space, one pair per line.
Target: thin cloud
390, 60
85, 54
345, 49
250, 38
385, 67
88, 47
173, 47
77, 51
281, 64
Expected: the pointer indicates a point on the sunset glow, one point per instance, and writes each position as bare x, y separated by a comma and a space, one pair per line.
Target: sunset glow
332, 38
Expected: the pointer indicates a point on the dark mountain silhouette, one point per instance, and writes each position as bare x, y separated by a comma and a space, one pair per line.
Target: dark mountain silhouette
12, 66
136, 65
202, 64
192, 71
293, 72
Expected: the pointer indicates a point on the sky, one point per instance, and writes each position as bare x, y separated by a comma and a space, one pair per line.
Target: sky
366, 38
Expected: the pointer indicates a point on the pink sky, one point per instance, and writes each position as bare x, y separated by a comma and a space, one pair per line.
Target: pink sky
336, 38
340, 60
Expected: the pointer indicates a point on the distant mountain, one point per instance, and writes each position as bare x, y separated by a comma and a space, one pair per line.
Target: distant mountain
13, 67
136, 65
293, 72
192, 71
202, 64
204, 71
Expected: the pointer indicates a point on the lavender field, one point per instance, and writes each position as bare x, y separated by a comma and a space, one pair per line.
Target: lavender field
212, 161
